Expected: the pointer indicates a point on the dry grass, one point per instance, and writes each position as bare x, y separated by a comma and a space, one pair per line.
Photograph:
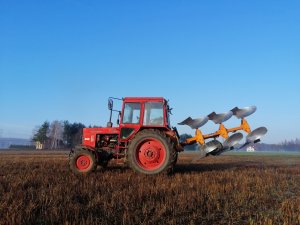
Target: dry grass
40, 189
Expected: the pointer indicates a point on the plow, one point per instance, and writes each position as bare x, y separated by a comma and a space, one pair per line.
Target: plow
145, 141
215, 147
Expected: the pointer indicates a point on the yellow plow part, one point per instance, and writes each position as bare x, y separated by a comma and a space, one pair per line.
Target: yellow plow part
223, 132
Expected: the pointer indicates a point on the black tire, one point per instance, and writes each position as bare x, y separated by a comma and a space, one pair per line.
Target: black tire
83, 162
175, 158
103, 164
103, 158
160, 148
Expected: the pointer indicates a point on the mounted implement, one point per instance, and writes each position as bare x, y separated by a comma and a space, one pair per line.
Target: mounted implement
145, 140
215, 147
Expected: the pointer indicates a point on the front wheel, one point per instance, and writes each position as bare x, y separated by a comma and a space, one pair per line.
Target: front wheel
82, 162
151, 152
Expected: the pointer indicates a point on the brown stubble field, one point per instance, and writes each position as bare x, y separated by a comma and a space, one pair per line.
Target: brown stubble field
38, 188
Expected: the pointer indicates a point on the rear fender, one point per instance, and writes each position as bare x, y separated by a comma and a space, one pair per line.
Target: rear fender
173, 134
85, 148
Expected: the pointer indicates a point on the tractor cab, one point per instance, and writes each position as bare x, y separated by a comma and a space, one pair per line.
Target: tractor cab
141, 113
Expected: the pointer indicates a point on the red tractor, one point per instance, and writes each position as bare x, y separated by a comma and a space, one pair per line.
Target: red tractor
145, 140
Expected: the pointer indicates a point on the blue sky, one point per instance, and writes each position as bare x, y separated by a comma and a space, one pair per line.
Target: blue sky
63, 59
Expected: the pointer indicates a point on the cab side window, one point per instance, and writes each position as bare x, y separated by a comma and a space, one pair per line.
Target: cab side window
154, 114
132, 113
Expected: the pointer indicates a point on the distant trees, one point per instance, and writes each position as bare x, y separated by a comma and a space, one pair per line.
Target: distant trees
41, 133
55, 134
58, 134
292, 145
72, 133
291, 142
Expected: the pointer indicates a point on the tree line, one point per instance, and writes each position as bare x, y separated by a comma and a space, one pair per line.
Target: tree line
58, 134
292, 145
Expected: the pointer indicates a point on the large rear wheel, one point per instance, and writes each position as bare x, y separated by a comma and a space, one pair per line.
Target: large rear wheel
83, 162
151, 152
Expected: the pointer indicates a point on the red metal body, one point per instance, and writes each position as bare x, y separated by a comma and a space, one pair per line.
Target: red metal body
90, 134
118, 137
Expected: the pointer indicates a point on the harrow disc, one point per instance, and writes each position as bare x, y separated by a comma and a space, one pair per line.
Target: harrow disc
194, 123
220, 118
244, 112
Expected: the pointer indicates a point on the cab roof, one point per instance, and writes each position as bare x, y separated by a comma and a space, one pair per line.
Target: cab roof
144, 99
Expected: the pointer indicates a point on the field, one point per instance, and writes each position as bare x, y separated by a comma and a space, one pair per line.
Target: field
38, 188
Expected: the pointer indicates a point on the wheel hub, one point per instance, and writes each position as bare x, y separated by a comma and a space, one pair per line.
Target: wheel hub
151, 154
83, 162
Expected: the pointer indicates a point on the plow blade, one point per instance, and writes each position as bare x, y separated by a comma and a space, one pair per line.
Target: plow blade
209, 148
255, 136
220, 118
229, 144
233, 140
212, 146
194, 123
244, 112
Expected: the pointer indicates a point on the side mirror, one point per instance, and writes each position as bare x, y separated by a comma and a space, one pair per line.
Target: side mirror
110, 104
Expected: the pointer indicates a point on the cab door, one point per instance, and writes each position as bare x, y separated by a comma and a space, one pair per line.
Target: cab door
131, 119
